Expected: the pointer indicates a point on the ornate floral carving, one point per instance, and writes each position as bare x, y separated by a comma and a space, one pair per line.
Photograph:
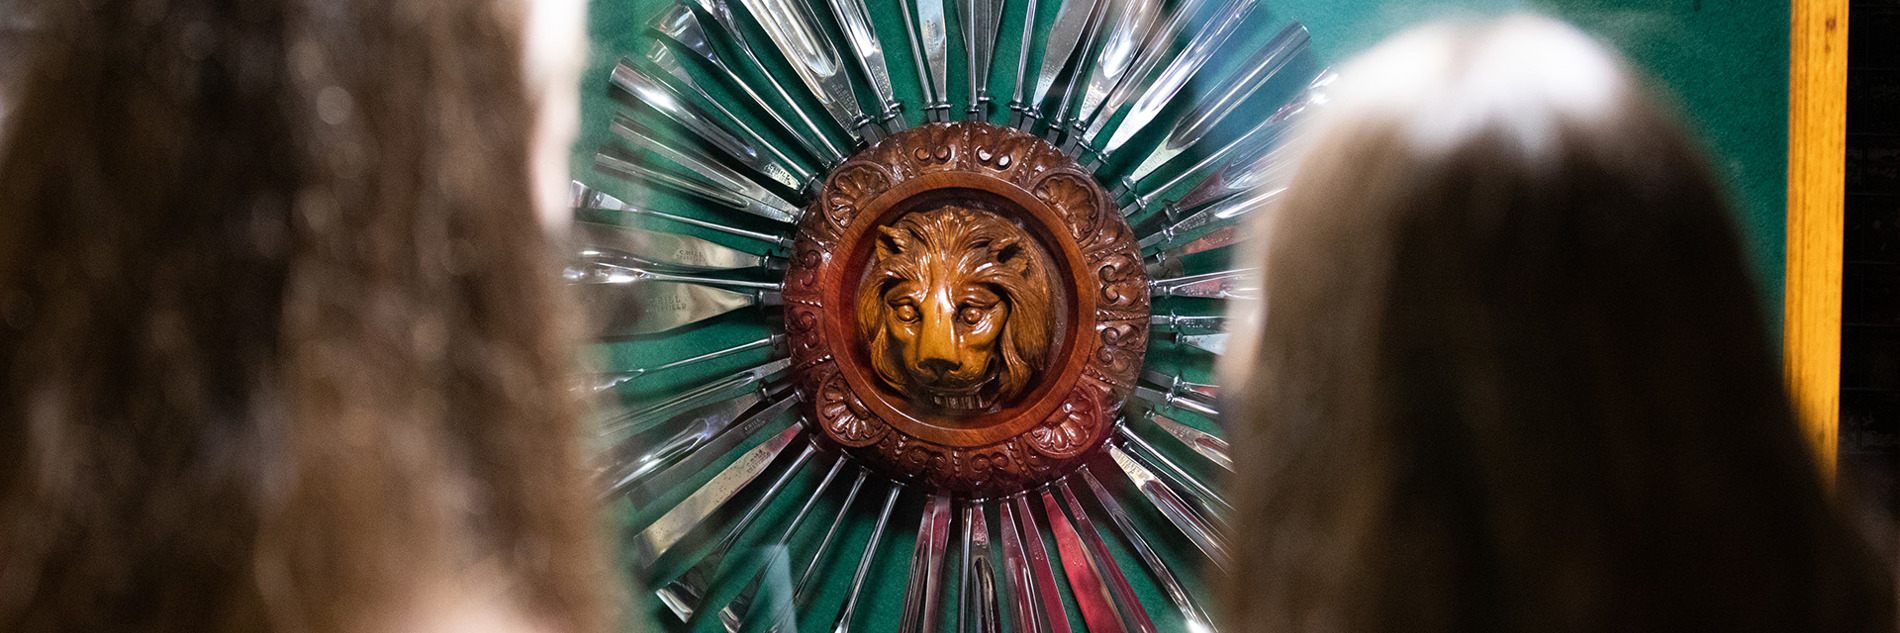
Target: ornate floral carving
1000, 445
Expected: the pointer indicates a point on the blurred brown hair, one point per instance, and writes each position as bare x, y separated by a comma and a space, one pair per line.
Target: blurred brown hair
1512, 374
281, 343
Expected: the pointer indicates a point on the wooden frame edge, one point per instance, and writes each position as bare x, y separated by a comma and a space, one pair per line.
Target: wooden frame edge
1817, 148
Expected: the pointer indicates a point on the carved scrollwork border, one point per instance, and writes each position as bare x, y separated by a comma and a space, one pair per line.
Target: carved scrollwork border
966, 156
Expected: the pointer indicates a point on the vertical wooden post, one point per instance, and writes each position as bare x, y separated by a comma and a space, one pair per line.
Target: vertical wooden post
1817, 148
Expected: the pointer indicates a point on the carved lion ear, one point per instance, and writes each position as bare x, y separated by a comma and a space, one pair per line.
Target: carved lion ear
1009, 252
892, 241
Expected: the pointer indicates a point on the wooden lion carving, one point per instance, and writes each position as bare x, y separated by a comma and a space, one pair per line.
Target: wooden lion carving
956, 308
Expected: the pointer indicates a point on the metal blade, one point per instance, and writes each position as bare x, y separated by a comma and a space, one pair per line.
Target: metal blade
1156, 567
676, 78
1226, 213
681, 595
1022, 614
1085, 581
1216, 343
978, 609
635, 458
644, 492
980, 40
1018, 103
1072, 20
1188, 323
684, 595
680, 24
732, 614
663, 534
1226, 284
1232, 180
597, 270
1038, 563
1256, 140
936, 46
1170, 399
1167, 262
660, 251
708, 173
1176, 386
582, 196
1162, 91
641, 419
864, 563
923, 595
855, 20
1207, 444
602, 381
634, 309
1118, 56
663, 99
1255, 72
792, 27
1171, 506
1217, 504
1106, 14
1151, 52
1125, 598
623, 165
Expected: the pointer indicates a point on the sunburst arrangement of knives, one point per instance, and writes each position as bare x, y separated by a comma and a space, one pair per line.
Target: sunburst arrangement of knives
748, 513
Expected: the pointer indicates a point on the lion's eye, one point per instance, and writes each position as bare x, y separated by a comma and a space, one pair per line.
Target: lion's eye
971, 314
905, 312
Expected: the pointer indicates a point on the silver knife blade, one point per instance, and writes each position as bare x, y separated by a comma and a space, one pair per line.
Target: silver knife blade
1226, 284
1224, 213
602, 381
663, 99
641, 419
1072, 19
1197, 620
666, 532
1118, 56
659, 250
1171, 506
1125, 599
682, 594
1213, 448
855, 21
1153, 51
636, 457
924, 592
1217, 505
864, 563
1018, 102
931, 25
791, 26
585, 197
732, 613
1039, 567
1086, 584
680, 24
654, 487
1255, 72
707, 170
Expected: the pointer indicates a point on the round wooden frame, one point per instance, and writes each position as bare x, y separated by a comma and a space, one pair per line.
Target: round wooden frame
1102, 322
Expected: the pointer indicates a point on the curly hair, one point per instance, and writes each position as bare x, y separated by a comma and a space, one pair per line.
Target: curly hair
984, 248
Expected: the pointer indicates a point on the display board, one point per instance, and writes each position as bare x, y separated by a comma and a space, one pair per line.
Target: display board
796, 243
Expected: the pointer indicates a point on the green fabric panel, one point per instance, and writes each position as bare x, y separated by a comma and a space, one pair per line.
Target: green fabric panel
1725, 64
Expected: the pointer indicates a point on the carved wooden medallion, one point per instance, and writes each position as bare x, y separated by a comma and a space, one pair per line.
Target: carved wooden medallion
966, 309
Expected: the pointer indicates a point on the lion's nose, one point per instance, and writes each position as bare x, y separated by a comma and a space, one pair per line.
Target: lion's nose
938, 366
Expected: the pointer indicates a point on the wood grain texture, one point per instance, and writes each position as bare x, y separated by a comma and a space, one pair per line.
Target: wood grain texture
1099, 298
1817, 147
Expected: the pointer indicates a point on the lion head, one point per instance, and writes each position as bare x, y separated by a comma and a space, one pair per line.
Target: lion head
956, 308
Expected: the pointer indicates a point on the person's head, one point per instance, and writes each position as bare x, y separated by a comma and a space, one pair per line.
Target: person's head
1510, 372
280, 338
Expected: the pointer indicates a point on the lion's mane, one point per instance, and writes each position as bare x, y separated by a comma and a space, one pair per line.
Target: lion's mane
974, 238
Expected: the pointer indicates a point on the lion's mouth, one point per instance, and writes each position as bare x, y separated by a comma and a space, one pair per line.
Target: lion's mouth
961, 397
